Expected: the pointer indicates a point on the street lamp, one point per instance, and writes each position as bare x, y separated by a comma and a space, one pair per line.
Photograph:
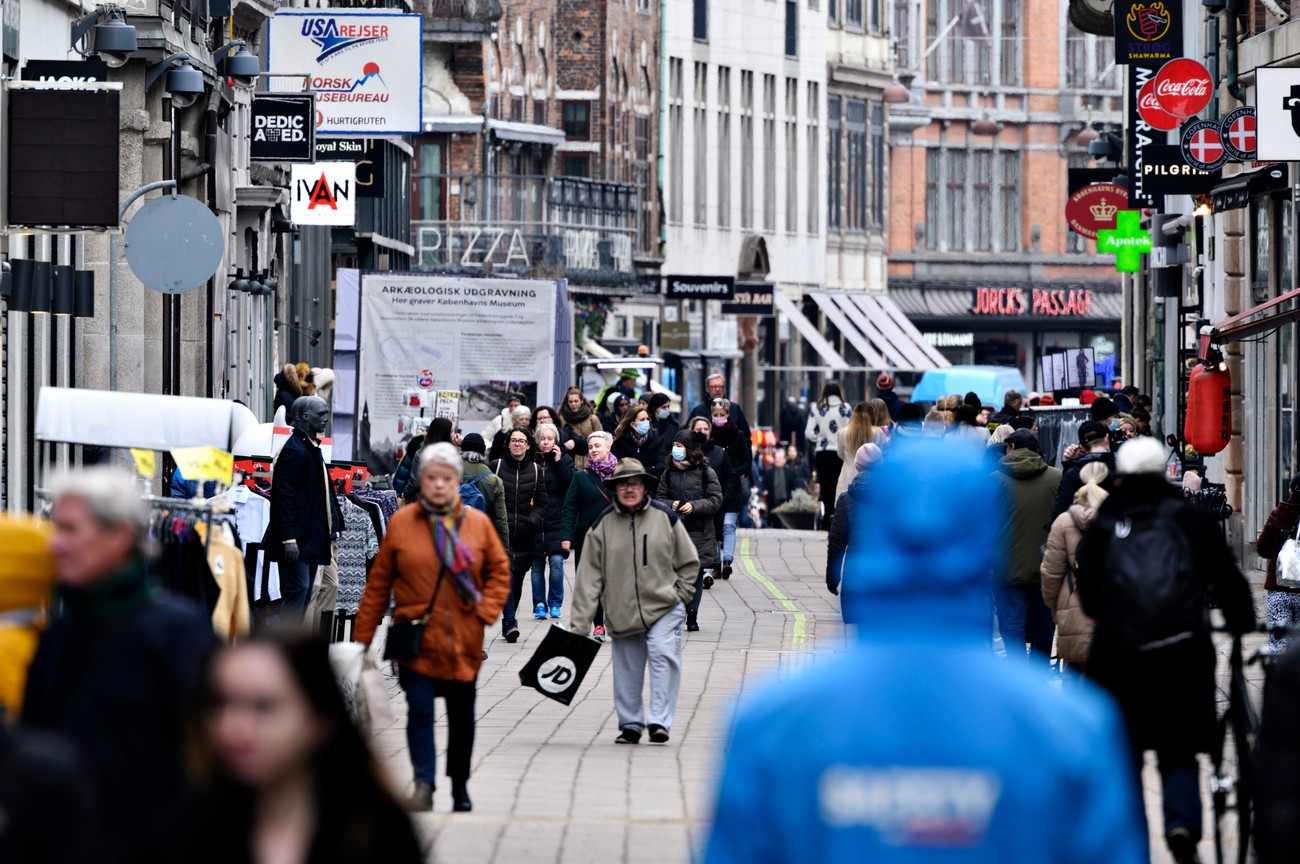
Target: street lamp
985, 126
184, 82
241, 67
113, 39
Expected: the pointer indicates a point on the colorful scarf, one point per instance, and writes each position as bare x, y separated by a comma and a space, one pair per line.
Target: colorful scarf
604, 468
453, 552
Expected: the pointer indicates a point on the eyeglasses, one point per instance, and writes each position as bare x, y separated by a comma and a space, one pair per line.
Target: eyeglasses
523, 441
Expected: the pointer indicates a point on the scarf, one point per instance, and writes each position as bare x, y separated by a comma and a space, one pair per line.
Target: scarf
576, 417
684, 466
605, 468
122, 593
453, 553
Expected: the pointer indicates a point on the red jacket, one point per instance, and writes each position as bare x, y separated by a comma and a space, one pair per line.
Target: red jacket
1277, 530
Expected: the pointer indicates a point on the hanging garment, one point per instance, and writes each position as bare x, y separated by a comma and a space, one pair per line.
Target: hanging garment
357, 547
230, 615
252, 514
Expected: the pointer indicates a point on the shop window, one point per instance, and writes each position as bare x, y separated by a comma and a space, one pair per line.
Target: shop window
577, 121
427, 175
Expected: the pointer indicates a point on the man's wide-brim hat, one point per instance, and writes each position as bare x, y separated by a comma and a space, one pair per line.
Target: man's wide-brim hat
626, 470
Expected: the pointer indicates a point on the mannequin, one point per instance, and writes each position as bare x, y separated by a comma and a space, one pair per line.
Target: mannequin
305, 515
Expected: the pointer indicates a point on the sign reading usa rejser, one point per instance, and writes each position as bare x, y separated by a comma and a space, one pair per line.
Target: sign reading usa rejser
364, 68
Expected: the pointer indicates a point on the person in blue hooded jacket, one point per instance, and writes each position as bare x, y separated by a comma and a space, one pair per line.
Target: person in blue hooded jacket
918, 744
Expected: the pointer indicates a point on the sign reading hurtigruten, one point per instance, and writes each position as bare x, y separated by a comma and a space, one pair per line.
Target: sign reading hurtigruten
1148, 31
1050, 302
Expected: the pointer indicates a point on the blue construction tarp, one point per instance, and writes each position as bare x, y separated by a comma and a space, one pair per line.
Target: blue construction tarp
990, 383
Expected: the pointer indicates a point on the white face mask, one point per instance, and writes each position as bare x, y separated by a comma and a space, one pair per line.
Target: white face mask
679, 454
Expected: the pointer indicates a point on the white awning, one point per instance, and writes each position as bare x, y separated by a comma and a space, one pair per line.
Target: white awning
146, 421
809, 332
878, 329
449, 123
529, 133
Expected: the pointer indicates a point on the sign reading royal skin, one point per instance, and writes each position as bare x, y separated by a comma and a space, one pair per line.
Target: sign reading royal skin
324, 193
1277, 114
364, 68
1148, 31
478, 337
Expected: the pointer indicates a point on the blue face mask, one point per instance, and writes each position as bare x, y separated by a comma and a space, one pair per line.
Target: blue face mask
1114, 425
663, 415
679, 454
642, 427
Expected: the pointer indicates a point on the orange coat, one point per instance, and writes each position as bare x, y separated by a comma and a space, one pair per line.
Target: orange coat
408, 566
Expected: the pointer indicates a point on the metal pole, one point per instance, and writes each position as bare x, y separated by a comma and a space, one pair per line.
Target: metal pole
112, 274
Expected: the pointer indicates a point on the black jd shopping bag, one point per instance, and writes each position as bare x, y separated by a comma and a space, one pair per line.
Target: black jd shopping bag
559, 664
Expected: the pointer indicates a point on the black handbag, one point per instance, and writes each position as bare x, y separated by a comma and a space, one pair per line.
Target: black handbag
403, 640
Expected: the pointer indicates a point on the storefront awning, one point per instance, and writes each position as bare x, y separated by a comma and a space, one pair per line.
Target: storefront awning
1245, 324
1236, 192
879, 330
809, 332
449, 123
528, 133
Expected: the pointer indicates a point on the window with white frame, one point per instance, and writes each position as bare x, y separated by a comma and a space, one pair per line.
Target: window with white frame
855, 148
1089, 60
959, 59
834, 163
972, 199
746, 150
814, 157
877, 164
791, 155
769, 152
701, 144
676, 146
724, 146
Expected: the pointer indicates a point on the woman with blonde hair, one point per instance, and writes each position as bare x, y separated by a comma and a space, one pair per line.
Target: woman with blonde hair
1073, 626
861, 429
580, 420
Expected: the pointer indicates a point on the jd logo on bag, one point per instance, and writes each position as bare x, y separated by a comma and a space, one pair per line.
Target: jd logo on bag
560, 663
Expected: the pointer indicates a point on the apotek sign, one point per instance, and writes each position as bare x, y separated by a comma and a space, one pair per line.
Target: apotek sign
284, 129
365, 68
324, 193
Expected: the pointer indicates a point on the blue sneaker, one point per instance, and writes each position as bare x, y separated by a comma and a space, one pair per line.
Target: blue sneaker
555, 611
539, 611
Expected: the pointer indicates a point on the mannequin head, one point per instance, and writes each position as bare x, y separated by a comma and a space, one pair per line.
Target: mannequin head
310, 414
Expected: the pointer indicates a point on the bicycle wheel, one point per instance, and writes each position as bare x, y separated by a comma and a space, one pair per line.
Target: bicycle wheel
1230, 834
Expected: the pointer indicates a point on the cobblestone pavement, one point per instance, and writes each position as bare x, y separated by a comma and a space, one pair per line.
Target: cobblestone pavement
550, 785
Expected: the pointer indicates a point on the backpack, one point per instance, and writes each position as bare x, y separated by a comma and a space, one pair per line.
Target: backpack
471, 495
1150, 586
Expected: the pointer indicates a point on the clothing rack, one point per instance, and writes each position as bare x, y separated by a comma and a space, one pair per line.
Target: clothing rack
204, 508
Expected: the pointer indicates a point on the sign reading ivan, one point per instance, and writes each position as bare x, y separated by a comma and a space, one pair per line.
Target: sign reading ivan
324, 193
284, 129
365, 68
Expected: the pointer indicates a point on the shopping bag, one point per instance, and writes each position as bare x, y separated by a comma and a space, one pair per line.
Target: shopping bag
559, 664
379, 705
347, 660
1288, 563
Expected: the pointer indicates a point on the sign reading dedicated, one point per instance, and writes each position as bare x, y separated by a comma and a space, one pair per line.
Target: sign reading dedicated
284, 129
1148, 31
364, 68
1277, 114
324, 193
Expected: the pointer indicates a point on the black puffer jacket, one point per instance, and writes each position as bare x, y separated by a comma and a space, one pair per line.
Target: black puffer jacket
557, 477
649, 451
526, 502
697, 485
739, 458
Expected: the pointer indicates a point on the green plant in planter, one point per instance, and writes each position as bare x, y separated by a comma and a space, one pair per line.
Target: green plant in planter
800, 502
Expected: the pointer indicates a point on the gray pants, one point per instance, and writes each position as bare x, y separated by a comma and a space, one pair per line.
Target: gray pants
325, 594
661, 647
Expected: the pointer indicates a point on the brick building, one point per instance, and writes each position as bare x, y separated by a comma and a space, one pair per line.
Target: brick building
537, 154
977, 193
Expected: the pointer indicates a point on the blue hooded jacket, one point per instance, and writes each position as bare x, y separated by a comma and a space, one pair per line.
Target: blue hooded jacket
918, 744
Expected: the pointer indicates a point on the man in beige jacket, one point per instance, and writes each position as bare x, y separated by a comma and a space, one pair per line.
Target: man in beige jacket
639, 561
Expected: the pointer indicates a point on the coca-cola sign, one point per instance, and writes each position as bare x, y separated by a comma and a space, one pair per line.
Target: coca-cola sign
1149, 107
1183, 87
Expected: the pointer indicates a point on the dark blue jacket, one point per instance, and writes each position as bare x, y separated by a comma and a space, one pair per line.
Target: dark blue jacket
299, 496
893, 403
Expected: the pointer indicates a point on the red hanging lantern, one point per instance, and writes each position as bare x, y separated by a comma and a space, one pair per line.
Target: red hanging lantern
1208, 426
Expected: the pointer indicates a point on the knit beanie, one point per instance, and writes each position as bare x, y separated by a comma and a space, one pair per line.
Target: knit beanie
868, 454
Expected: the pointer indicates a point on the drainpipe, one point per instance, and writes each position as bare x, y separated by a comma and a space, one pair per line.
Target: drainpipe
1234, 85
663, 119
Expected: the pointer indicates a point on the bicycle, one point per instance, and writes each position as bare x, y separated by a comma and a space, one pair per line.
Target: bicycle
1232, 780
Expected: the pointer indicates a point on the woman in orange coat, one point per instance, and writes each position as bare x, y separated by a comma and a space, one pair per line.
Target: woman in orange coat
439, 550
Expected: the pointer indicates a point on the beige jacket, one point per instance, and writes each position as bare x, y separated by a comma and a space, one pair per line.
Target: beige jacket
1073, 626
639, 565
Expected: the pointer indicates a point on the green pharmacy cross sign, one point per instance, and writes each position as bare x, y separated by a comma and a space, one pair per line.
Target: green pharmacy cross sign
1127, 241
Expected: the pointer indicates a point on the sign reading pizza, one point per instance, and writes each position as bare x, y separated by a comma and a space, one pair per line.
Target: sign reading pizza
1149, 32
1093, 208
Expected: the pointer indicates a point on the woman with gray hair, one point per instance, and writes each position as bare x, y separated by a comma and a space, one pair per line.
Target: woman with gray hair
116, 669
459, 583
585, 501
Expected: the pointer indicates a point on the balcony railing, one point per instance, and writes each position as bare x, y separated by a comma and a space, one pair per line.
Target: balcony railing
583, 229
456, 20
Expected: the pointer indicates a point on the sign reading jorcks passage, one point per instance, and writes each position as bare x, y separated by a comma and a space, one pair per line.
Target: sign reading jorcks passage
324, 193
364, 68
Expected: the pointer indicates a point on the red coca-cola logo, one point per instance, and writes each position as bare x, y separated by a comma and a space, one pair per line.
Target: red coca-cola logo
1149, 107
1183, 87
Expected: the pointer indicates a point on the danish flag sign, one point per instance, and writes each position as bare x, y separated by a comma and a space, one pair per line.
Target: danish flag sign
1203, 146
1183, 87
1238, 131
1149, 108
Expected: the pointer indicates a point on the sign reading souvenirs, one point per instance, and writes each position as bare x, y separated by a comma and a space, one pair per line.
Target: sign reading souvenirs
1164, 172
283, 127
1202, 146
1127, 243
1055, 303
700, 287
1140, 135
1148, 31
1277, 113
1238, 132
365, 68
1183, 87
1149, 108
324, 193
1093, 208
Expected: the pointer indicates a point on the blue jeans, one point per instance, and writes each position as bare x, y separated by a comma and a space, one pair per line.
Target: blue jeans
421, 690
1024, 617
295, 589
1180, 788
729, 536
555, 596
